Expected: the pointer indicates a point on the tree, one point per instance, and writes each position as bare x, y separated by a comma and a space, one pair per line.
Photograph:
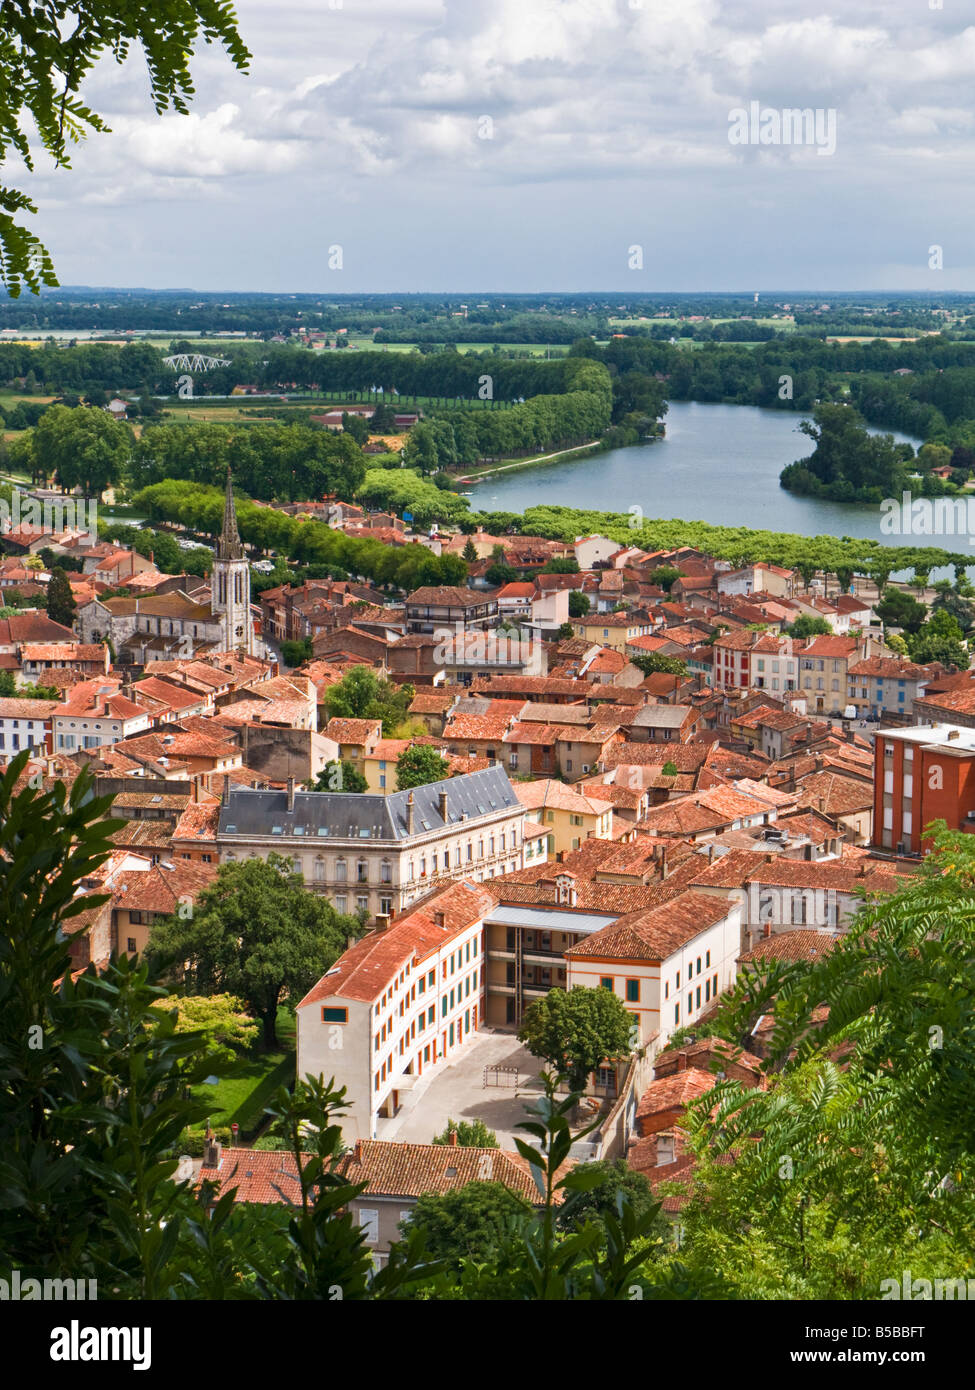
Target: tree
561, 564
469, 1223
256, 933
61, 606
807, 626
863, 1168
296, 653
469, 552
8, 686
566, 632
500, 573
653, 661
221, 1018
939, 639
577, 1030
897, 609
81, 448
418, 765
579, 604
362, 694
44, 68
616, 1182
666, 576
670, 769
471, 1134
339, 777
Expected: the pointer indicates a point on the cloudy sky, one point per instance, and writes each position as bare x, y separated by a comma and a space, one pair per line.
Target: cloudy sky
503, 145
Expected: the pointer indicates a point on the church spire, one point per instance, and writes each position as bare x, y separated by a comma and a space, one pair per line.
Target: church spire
229, 546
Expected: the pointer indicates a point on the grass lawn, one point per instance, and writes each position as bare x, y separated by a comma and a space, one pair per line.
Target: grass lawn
241, 1095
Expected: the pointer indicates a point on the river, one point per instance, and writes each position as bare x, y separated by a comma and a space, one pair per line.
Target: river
717, 463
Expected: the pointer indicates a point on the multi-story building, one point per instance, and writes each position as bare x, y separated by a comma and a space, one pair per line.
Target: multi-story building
921, 774
24, 724
732, 660
398, 1003
773, 665
377, 854
430, 608
884, 687
94, 714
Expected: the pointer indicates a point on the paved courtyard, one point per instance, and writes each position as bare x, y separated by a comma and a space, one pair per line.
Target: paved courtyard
456, 1090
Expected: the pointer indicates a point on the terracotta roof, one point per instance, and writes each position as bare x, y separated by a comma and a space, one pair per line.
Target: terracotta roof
655, 933
676, 1091
409, 1170
789, 946
548, 794
366, 968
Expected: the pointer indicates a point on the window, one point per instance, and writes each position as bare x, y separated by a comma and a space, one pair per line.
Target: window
443, 1007
432, 978
633, 991
707, 958
431, 1013
606, 982
676, 1014
335, 1015
369, 1222
130, 944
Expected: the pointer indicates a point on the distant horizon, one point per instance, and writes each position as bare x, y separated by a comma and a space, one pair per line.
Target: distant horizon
630, 293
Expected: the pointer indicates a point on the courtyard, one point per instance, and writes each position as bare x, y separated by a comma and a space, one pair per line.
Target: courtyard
456, 1090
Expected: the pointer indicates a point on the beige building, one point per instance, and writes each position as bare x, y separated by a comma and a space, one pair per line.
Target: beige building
568, 815
378, 853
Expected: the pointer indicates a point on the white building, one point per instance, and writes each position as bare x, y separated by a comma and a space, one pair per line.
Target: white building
401, 1001
24, 724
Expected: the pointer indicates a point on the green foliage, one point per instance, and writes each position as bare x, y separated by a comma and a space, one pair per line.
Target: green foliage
471, 1223
848, 464
807, 626
653, 661
897, 609
83, 448
362, 694
471, 1134
579, 604
616, 1184
577, 1030
339, 777
256, 933
418, 765
307, 542
939, 639
666, 576
297, 653
845, 1174
670, 769
45, 65
220, 1018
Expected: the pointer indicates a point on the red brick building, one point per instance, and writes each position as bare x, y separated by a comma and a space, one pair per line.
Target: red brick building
922, 774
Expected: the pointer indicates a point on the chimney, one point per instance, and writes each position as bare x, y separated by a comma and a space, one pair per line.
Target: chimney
212, 1151
291, 793
452, 1139
663, 861
439, 919
560, 856
682, 1061
225, 794
382, 921
409, 814
443, 807
196, 790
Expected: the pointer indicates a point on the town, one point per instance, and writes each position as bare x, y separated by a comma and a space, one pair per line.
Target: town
639, 773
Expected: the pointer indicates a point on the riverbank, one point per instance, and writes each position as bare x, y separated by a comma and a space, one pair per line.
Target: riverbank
476, 475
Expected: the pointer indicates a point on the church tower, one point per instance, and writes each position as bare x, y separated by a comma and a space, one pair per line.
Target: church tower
230, 583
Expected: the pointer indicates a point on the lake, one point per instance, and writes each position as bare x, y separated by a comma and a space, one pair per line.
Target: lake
717, 463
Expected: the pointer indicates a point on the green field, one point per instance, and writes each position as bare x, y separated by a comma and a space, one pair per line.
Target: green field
241, 1096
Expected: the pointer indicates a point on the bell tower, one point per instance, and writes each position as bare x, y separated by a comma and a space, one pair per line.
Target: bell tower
230, 583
